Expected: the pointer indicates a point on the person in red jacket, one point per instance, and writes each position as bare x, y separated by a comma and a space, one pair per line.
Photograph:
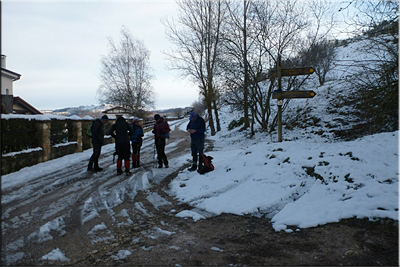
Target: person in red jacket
161, 132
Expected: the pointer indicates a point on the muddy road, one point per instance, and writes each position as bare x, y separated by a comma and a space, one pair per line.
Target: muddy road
72, 217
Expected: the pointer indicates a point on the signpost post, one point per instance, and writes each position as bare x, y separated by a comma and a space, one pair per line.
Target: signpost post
280, 95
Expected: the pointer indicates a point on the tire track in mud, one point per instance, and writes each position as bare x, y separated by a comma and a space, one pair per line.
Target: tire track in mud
144, 223
59, 198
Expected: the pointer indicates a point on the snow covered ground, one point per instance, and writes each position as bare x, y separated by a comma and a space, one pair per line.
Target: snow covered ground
303, 183
307, 180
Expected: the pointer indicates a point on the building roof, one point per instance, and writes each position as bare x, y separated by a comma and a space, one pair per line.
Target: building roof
13, 75
25, 105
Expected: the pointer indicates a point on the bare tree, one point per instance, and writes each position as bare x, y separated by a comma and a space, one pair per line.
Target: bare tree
237, 43
281, 26
321, 56
196, 34
199, 106
126, 75
318, 49
374, 80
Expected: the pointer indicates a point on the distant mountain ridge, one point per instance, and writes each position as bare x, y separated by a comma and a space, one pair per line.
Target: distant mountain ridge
86, 107
96, 110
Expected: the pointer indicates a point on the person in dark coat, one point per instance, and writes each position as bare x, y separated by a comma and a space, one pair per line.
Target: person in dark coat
161, 128
196, 127
136, 139
122, 131
97, 142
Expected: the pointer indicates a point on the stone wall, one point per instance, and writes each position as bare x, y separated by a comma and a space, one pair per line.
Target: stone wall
18, 152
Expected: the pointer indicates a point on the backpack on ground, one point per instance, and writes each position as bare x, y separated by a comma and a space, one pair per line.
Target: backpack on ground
89, 130
207, 164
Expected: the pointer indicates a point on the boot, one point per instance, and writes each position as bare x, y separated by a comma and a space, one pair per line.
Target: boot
90, 167
193, 168
138, 160
96, 167
119, 167
134, 161
127, 166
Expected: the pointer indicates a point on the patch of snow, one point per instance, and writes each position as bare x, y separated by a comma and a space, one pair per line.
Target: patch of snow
55, 255
190, 214
145, 181
11, 154
157, 200
98, 227
66, 144
122, 254
43, 234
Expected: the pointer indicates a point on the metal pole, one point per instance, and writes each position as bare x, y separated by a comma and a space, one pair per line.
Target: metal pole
280, 99
279, 122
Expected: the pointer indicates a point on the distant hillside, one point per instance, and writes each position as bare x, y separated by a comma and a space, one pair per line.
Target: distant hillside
173, 112
95, 111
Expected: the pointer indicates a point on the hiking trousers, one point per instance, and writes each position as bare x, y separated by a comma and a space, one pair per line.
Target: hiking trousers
94, 159
160, 147
123, 150
197, 147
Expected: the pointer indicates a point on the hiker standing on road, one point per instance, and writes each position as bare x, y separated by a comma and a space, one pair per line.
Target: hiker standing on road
122, 131
97, 142
136, 139
160, 131
196, 127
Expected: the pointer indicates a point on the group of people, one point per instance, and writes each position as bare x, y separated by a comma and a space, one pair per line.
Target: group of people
125, 135
131, 135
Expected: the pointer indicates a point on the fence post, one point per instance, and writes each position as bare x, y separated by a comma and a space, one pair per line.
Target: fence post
78, 128
75, 133
44, 129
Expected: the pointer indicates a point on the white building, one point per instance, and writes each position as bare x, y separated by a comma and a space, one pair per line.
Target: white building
9, 103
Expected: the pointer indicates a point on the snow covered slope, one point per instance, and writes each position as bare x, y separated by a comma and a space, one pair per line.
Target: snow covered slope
312, 177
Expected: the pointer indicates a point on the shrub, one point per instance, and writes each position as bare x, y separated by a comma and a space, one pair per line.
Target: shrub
236, 123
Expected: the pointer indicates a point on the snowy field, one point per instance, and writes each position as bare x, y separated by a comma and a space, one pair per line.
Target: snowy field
308, 179
303, 183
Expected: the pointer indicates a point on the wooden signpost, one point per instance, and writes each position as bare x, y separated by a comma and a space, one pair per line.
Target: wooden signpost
293, 94
280, 95
292, 72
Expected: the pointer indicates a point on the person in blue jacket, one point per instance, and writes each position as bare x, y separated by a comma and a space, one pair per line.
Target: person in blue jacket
196, 127
137, 141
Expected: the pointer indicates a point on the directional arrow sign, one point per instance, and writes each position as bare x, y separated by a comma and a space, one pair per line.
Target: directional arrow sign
293, 72
293, 94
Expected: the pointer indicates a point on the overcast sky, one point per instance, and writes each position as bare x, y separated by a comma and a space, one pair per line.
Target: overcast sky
57, 47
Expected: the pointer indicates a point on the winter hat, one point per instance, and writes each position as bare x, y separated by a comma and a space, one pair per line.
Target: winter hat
157, 117
193, 115
105, 118
121, 118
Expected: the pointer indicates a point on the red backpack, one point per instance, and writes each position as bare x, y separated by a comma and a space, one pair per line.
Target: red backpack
207, 164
